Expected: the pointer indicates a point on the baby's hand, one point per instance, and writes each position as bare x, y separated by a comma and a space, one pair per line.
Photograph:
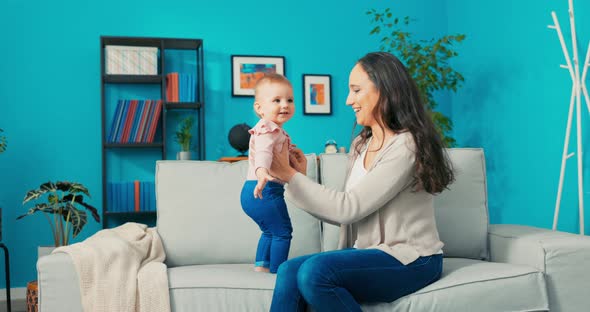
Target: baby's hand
263, 177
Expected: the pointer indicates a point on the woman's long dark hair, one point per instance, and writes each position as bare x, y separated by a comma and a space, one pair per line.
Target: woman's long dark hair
400, 109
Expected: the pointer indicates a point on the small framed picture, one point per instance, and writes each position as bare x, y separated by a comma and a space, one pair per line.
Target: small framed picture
317, 94
247, 69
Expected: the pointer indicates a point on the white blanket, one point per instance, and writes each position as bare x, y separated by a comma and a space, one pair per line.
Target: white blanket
121, 269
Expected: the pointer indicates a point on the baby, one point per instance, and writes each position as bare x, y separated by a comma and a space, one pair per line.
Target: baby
262, 198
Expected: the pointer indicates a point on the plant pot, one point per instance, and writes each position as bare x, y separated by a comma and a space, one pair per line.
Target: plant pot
183, 155
44, 251
32, 298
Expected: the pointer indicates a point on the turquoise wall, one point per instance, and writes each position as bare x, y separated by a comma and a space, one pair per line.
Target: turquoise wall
515, 103
50, 83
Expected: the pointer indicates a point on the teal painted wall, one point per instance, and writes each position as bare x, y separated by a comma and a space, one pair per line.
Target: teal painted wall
515, 103
50, 83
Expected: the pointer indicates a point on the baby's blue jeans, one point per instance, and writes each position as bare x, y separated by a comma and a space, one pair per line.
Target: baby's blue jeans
270, 213
339, 280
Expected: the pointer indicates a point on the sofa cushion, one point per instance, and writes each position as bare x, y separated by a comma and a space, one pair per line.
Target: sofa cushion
466, 199
201, 221
466, 285
473, 285
220, 287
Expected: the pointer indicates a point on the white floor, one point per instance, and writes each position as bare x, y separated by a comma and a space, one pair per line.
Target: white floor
18, 305
17, 298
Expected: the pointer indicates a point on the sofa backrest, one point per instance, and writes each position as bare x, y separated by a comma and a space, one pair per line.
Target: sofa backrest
201, 221
332, 175
461, 211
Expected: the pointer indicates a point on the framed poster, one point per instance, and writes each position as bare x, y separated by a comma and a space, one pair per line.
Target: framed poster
247, 69
317, 94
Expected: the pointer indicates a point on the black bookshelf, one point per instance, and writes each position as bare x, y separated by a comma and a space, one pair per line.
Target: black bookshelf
133, 145
133, 79
182, 105
197, 108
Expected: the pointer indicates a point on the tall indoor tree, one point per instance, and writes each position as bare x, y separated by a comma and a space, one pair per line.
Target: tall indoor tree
427, 62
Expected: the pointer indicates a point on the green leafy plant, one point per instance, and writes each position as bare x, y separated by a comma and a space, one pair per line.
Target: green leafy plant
2, 142
184, 133
63, 200
427, 62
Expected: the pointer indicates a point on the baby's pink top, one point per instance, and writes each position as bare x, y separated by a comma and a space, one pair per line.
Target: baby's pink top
266, 138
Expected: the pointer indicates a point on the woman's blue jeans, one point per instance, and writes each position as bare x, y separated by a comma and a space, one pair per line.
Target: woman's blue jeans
270, 213
339, 280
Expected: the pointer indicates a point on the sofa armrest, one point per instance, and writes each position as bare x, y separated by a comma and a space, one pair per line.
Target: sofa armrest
59, 289
563, 257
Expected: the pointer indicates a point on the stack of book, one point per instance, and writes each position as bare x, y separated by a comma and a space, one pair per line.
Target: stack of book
180, 87
135, 121
133, 196
129, 60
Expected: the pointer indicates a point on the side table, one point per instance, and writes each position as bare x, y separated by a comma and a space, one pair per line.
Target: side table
233, 159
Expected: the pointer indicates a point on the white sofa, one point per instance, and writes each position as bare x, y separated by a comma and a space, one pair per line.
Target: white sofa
210, 245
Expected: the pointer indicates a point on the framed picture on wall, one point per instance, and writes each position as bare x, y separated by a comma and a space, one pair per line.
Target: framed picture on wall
317, 94
247, 69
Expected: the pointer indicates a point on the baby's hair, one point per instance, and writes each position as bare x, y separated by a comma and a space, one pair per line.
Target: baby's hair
269, 78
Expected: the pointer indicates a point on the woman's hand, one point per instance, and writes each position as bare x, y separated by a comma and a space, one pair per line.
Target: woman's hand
298, 161
280, 166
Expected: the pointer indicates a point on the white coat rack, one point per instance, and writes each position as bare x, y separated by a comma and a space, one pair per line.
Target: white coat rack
578, 87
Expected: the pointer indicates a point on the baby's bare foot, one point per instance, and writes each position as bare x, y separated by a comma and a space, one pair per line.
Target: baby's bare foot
261, 269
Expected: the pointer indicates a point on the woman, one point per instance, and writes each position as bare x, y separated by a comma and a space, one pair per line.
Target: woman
389, 242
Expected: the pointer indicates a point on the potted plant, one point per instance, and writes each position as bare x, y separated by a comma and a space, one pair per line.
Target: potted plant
184, 137
63, 200
427, 62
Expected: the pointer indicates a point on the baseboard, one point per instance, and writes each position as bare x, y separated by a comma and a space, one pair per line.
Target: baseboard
19, 293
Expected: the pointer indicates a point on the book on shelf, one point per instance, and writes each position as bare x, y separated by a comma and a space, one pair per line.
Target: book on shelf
180, 87
129, 121
142, 121
131, 196
154, 122
135, 121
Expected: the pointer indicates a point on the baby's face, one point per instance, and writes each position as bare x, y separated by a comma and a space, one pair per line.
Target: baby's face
274, 102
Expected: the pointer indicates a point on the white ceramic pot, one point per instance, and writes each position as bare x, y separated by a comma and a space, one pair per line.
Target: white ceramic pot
183, 156
44, 251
